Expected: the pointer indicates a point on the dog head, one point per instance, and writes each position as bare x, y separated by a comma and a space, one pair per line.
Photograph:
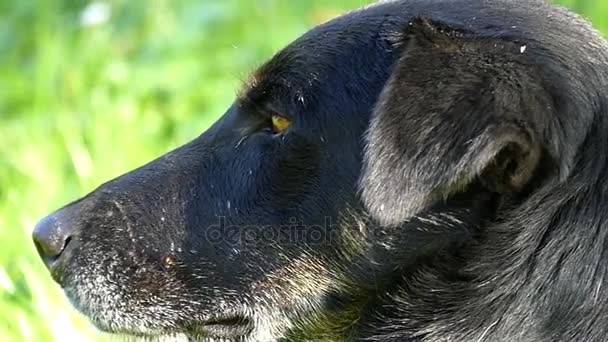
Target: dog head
252, 229
212, 239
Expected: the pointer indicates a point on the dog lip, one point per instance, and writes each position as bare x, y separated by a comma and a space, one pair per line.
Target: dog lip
226, 327
220, 328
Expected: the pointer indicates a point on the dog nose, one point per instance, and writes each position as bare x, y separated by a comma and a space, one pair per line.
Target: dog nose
51, 237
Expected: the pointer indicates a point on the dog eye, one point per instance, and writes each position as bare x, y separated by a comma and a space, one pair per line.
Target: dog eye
280, 123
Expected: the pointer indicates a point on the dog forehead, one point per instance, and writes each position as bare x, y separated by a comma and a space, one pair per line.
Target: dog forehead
363, 44
335, 50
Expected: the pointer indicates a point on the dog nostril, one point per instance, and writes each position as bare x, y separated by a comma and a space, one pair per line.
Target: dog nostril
51, 237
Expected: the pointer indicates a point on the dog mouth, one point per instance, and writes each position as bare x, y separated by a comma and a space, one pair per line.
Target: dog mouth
219, 329
225, 327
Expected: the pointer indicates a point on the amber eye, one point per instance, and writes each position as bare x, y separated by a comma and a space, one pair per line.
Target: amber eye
280, 123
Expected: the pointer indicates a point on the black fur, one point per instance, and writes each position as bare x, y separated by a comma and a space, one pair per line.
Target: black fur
444, 179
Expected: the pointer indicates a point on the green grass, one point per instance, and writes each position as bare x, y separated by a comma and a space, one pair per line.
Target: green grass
80, 105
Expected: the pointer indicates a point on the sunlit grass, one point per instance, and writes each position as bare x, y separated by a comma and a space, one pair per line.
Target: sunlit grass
84, 99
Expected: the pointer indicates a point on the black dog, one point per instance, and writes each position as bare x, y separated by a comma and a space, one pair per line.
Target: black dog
413, 171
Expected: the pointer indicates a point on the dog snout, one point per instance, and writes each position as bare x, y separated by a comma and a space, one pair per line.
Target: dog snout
52, 235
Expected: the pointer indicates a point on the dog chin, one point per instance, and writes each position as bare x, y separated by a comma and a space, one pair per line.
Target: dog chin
108, 310
221, 329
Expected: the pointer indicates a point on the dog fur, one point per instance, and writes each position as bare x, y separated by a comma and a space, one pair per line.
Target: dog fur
445, 178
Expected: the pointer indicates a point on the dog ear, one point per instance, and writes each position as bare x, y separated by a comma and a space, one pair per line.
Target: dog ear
457, 108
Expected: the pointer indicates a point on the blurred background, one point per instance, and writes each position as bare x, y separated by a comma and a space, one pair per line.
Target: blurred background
89, 90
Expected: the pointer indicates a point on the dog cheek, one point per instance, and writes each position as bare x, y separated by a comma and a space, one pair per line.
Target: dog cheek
297, 169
